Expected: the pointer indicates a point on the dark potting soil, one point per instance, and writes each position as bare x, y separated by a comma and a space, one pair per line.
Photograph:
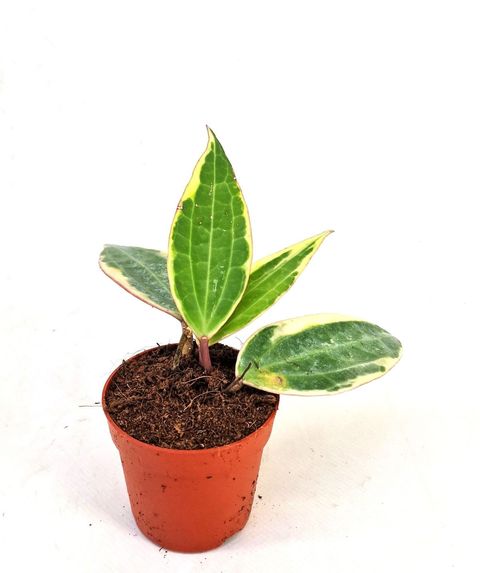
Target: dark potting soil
185, 408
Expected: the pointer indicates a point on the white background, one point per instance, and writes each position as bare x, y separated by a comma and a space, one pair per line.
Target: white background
357, 116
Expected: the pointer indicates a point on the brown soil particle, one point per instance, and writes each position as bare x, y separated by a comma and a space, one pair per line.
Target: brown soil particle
185, 408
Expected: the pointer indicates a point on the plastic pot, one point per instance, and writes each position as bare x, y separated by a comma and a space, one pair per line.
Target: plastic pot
190, 500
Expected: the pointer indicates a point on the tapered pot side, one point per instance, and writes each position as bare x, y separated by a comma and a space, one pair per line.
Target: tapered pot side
189, 500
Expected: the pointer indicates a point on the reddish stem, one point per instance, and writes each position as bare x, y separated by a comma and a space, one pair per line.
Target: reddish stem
204, 354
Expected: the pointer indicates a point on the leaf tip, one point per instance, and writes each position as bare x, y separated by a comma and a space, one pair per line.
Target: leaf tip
211, 134
318, 239
326, 233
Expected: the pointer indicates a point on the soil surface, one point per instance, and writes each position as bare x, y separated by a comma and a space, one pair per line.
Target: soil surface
185, 408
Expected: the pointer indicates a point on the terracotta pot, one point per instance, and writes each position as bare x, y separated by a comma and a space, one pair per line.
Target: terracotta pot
190, 500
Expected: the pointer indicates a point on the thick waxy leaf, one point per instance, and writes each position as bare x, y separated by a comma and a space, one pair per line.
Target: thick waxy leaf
210, 244
270, 278
141, 272
317, 354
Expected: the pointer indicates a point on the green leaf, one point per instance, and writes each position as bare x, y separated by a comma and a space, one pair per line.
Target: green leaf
270, 278
317, 354
141, 272
210, 247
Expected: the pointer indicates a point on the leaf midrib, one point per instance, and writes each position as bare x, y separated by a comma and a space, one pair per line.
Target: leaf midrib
229, 267
214, 188
279, 264
253, 301
328, 372
130, 256
318, 352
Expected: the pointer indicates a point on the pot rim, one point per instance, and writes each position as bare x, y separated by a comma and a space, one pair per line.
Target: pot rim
173, 451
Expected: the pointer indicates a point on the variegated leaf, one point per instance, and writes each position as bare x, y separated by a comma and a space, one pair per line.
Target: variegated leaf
317, 354
210, 247
141, 272
270, 278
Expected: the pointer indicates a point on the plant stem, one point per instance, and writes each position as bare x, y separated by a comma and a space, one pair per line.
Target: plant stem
204, 354
185, 345
238, 382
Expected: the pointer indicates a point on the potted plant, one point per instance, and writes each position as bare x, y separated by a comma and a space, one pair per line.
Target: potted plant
191, 420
